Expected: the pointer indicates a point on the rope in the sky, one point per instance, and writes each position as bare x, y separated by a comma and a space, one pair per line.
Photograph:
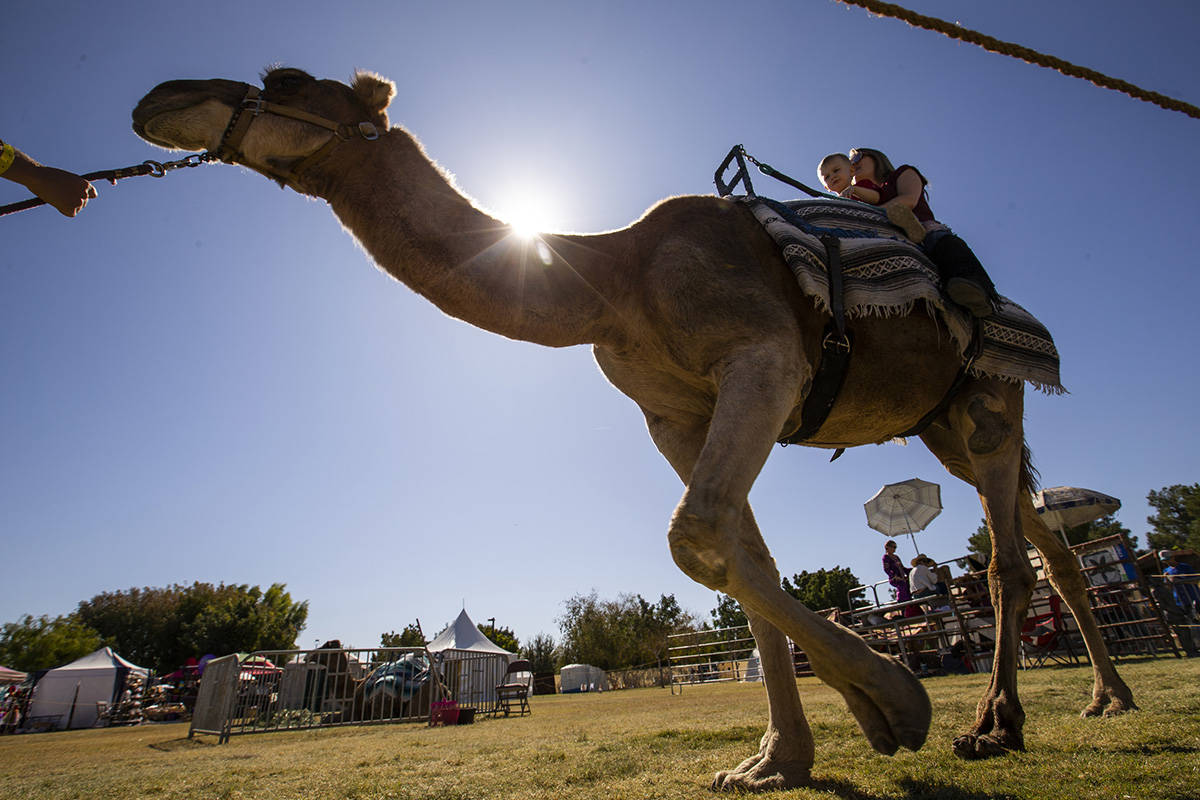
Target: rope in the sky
1026, 54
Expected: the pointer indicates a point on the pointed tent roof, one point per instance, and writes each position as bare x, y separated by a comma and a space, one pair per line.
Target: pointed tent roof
463, 634
104, 658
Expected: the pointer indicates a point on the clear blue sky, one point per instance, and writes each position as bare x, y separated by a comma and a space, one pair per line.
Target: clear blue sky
204, 379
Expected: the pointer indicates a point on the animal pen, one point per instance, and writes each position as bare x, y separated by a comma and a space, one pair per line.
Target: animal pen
300, 689
954, 631
719, 655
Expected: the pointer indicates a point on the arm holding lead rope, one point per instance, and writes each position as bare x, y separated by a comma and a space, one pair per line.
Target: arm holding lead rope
64, 190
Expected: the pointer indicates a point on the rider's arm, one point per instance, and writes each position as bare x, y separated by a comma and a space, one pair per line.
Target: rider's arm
909, 188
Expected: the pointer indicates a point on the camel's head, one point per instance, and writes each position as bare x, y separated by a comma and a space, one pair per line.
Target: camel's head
196, 115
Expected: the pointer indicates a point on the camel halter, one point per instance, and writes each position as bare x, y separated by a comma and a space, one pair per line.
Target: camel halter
229, 150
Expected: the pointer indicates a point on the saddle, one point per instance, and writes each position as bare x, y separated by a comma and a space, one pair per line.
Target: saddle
852, 262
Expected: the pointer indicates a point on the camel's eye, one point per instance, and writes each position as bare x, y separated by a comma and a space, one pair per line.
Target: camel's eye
286, 83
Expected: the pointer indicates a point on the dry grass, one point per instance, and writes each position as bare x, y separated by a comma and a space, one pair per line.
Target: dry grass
645, 743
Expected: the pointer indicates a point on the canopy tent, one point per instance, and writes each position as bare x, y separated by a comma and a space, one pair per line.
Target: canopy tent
582, 678
71, 691
192, 669
463, 634
483, 662
8, 676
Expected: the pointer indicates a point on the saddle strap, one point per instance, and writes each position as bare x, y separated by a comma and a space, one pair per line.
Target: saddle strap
836, 346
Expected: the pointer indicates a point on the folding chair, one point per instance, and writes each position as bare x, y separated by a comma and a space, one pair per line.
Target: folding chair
514, 692
1043, 635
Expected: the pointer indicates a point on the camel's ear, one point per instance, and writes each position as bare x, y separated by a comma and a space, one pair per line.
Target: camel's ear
376, 92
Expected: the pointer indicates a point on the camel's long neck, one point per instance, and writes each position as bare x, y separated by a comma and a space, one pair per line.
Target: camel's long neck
426, 234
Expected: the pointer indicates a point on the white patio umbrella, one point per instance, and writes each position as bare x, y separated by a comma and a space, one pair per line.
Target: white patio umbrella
904, 507
1062, 507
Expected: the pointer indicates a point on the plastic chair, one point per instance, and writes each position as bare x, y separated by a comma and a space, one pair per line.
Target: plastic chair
514, 693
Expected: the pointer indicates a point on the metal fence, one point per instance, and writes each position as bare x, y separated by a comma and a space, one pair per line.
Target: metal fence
711, 656
298, 689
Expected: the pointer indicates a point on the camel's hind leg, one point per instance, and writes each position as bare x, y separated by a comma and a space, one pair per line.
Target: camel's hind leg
983, 445
1110, 695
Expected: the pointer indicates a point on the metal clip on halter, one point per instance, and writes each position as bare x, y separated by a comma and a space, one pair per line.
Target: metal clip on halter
742, 175
254, 104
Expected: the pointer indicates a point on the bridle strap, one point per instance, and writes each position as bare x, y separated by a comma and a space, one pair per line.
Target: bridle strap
231, 141
229, 150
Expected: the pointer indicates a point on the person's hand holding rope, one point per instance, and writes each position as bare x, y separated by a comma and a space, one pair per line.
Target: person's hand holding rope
64, 190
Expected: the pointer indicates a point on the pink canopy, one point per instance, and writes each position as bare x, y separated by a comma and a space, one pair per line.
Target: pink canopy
10, 676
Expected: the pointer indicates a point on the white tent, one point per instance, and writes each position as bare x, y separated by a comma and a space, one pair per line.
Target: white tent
483, 663
463, 634
71, 691
582, 678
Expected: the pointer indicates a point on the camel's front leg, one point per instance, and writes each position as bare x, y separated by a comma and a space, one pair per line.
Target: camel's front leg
1110, 695
785, 754
708, 538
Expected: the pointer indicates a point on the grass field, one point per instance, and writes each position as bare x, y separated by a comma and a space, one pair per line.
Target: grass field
646, 743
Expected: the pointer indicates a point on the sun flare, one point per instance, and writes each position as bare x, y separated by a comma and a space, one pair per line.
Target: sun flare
527, 213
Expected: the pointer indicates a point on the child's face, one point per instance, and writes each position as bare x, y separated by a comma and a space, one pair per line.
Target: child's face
836, 174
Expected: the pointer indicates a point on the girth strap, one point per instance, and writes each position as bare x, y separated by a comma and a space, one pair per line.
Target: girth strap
836, 346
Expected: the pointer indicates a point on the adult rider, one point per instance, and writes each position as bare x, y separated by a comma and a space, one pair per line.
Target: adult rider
963, 277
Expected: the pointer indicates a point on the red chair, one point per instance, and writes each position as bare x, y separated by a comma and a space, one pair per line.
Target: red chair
1043, 636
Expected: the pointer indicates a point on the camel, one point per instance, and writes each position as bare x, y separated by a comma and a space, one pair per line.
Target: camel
692, 313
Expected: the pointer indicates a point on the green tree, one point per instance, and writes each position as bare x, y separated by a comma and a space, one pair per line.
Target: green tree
728, 613
542, 653
409, 637
653, 624
504, 637
825, 588
615, 634
1177, 521
142, 625
1099, 529
245, 618
979, 543
161, 627
44, 643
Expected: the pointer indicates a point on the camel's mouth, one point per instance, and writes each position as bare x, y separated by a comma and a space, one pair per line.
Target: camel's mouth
168, 99
139, 127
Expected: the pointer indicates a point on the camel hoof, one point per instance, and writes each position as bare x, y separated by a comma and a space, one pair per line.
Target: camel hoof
971, 746
762, 774
891, 707
1109, 707
1118, 707
768, 779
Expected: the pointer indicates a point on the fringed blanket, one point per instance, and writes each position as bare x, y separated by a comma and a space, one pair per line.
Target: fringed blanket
886, 275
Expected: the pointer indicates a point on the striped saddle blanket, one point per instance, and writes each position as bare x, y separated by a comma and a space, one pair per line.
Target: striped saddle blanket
884, 274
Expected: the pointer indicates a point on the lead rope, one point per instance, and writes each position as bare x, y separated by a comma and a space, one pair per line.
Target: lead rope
155, 169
